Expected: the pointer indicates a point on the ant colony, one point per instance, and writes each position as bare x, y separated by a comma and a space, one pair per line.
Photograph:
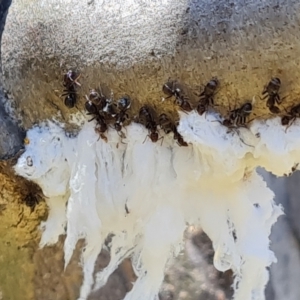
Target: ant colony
145, 181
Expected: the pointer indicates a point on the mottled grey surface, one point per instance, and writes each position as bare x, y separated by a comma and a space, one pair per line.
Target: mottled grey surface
11, 136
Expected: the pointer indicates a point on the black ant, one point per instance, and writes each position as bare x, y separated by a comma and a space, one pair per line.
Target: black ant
238, 118
168, 126
207, 96
123, 105
93, 110
165, 123
271, 91
98, 99
146, 118
179, 138
70, 82
171, 88
101, 127
110, 111
291, 116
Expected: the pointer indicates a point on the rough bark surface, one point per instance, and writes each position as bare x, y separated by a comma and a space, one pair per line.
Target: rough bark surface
133, 47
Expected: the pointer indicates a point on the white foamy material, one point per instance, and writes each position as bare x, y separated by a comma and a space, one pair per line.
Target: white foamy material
146, 193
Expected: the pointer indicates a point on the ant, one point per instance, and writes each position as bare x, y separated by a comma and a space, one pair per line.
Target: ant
146, 118
168, 126
101, 127
207, 96
171, 88
123, 105
93, 110
179, 138
291, 116
165, 123
98, 99
70, 82
271, 91
238, 118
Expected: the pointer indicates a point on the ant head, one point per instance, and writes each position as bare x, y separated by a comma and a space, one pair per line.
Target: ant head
201, 109
124, 102
285, 120
181, 142
118, 126
102, 127
94, 95
213, 83
247, 108
154, 137
276, 81
227, 122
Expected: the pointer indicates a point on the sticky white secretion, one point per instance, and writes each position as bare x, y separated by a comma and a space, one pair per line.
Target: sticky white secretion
146, 194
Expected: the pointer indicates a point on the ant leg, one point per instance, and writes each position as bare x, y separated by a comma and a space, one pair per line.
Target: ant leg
291, 123
121, 135
205, 112
145, 139
278, 100
75, 80
238, 133
103, 137
92, 119
168, 97
162, 139
183, 110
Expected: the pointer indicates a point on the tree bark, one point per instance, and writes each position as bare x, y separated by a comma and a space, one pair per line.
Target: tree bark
133, 47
